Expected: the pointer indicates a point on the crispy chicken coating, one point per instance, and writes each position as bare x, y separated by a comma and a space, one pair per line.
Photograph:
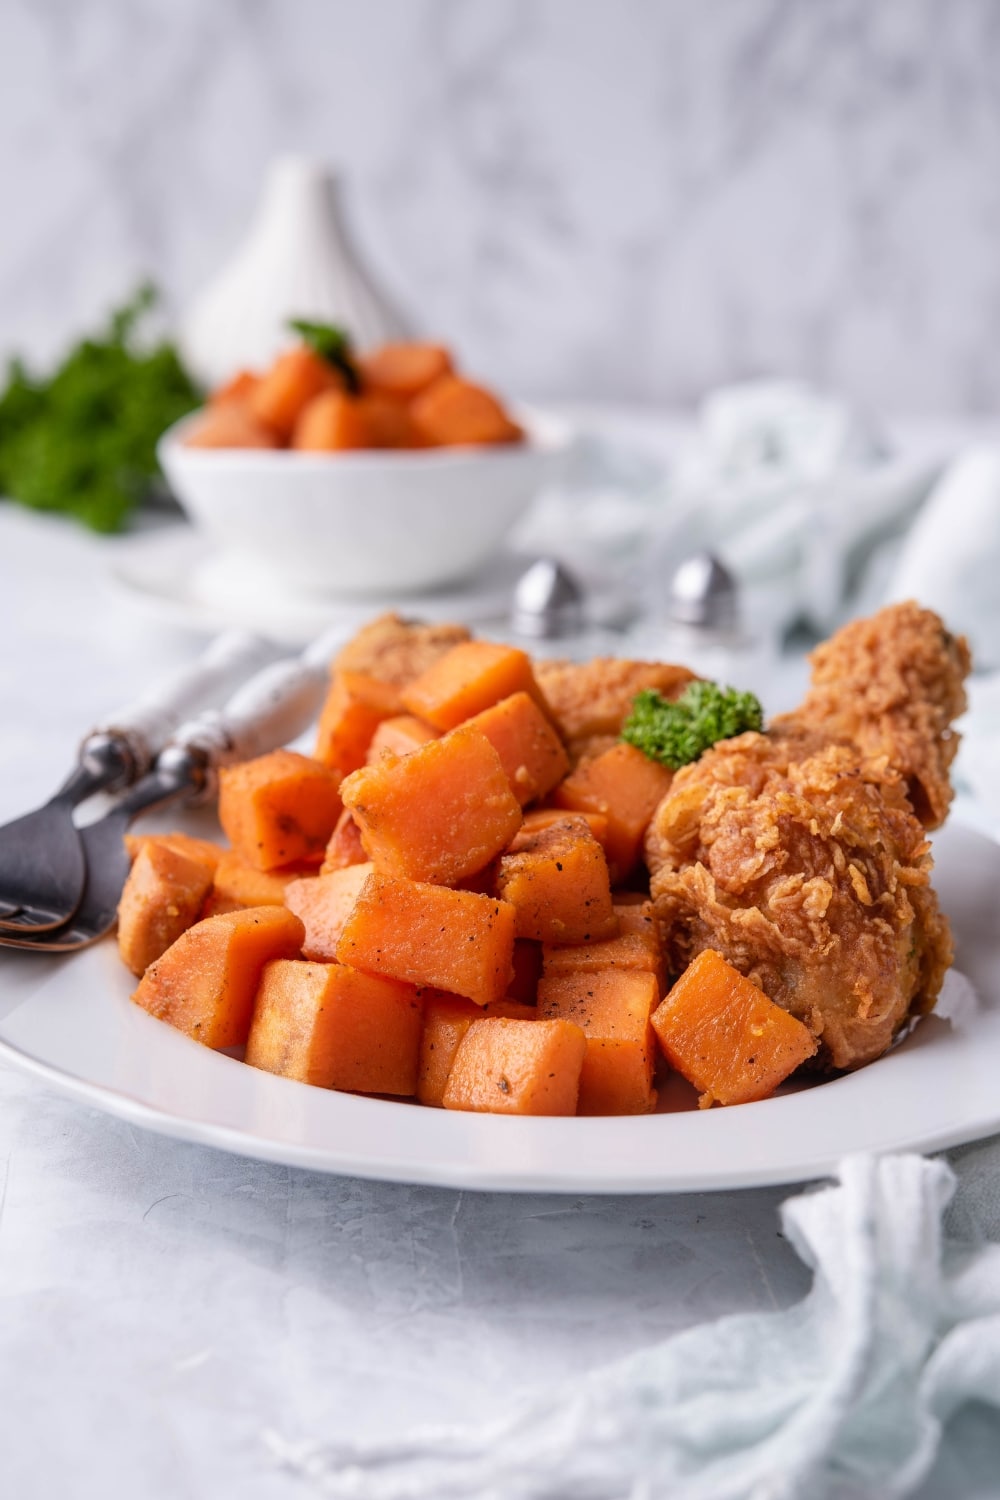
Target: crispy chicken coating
809, 872
800, 854
395, 650
892, 685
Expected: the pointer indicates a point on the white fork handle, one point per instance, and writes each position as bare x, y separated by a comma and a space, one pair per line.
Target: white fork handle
272, 708
154, 718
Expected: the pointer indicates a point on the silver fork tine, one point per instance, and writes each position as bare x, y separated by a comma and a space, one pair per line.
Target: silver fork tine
272, 708
42, 867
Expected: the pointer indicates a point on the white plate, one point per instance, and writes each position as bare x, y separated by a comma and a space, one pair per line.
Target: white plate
72, 1022
179, 577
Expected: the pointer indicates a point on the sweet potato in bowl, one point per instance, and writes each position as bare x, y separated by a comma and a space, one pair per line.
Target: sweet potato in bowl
320, 396
352, 473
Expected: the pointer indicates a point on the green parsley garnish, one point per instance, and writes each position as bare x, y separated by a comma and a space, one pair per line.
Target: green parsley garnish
332, 344
84, 440
677, 733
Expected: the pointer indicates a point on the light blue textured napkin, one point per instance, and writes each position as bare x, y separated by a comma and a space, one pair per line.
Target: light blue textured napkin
853, 1384
975, 771
798, 494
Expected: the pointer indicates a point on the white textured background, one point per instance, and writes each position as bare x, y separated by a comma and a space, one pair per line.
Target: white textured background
593, 198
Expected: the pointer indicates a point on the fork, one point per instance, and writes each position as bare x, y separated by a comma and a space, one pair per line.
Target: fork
42, 863
274, 707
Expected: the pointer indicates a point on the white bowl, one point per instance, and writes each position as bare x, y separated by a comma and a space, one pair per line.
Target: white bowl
358, 523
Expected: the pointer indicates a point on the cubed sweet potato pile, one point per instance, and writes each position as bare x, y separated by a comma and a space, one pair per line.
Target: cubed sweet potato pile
400, 395
446, 902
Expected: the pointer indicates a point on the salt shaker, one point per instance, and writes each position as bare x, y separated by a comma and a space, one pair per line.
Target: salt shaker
548, 601
701, 625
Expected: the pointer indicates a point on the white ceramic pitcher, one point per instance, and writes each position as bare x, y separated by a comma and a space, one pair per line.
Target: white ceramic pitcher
297, 261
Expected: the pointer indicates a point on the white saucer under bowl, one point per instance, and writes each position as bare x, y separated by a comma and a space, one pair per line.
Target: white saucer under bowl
177, 576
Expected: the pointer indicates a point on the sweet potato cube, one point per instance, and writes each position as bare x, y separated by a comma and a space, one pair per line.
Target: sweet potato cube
613, 1009
629, 950
399, 735
206, 981
530, 751
230, 424
725, 1036
279, 808
336, 422
431, 935
544, 817
202, 849
472, 676
439, 814
556, 879
243, 884
163, 897
345, 846
237, 388
333, 1026
217, 906
517, 1068
323, 904
634, 910
627, 787
295, 378
403, 370
527, 971
446, 1020
637, 945
355, 706
455, 411
483, 882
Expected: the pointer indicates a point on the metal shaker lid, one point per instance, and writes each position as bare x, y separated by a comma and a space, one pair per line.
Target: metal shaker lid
704, 594
548, 601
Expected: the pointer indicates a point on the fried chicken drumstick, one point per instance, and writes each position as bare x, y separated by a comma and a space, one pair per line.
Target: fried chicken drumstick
800, 854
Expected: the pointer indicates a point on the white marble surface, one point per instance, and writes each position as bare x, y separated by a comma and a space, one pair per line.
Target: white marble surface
634, 199
163, 1305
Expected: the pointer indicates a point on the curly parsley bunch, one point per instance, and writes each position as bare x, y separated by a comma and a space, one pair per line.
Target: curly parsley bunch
83, 441
677, 733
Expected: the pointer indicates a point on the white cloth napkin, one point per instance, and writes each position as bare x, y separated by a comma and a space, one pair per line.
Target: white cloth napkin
797, 493
950, 560
979, 752
851, 1385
